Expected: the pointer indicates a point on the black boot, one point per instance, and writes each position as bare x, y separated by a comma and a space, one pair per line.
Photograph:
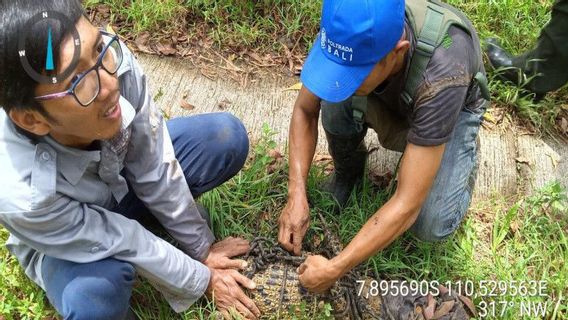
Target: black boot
499, 58
349, 155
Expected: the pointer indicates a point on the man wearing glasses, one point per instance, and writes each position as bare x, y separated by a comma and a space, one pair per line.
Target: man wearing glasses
88, 160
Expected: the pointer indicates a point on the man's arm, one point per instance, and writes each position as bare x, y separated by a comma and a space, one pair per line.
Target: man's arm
294, 219
154, 172
159, 181
417, 173
73, 231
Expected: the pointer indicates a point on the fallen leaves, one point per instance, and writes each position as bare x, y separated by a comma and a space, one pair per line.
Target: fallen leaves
444, 309
524, 160
166, 48
223, 104
109, 29
141, 42
186, 105
564, 125
167, 112
429, 310
294, 87
469, 304
493, 117
381, 181
324, 160
277, 161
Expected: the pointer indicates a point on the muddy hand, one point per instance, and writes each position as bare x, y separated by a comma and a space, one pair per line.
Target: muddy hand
293, 224
224, 289
220, 254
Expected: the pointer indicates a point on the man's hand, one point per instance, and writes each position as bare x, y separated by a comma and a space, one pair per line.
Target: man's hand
293, 224
317, 274
224, 290
220, 254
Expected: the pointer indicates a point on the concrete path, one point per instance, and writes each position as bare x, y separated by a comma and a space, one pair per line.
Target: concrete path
510, 163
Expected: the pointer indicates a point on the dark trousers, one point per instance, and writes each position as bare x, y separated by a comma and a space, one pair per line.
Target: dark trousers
548, 61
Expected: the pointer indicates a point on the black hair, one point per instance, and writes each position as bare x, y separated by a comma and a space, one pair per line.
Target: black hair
17, 88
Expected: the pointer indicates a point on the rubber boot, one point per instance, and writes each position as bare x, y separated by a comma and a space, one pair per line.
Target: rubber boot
548, 61
349, 155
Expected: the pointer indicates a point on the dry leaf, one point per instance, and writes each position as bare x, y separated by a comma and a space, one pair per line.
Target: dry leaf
223, 104
444, 309
255, 56
555, 158
523, 160
514, 226
564, 125
469, 304
322, 157
487, 116
294, 87
443, 290
167, 111
316, 241
275, 154
429, 310
277, 160
109, 29
142, 38
141, 43
103, 9
326, 160
381, 181
265, 216
166, 49
186, 105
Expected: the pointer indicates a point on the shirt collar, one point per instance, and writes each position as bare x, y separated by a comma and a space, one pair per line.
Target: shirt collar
72, 162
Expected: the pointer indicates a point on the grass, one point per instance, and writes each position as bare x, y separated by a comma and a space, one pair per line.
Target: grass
523, 240
272, 25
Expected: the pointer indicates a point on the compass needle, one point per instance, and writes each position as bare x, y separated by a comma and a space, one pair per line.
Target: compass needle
52, 76
49, 59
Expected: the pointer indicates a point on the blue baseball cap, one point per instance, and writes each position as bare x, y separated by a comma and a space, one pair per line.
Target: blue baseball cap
354, 36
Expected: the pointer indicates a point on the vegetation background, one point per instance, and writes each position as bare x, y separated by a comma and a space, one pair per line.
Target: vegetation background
509, 239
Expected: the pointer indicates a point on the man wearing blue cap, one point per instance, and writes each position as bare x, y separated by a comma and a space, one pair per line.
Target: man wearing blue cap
413, 73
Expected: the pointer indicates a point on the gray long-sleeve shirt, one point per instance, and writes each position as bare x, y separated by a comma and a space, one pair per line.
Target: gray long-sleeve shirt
57, 201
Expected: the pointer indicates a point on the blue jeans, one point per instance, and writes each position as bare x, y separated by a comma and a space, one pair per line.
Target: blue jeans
211, 148
450, 195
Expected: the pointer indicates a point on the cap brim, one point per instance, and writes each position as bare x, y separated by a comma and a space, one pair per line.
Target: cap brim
329, 80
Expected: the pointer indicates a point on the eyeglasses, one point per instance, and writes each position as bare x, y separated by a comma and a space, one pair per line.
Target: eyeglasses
86, 86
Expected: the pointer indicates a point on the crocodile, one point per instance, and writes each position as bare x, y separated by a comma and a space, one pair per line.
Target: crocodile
279, 294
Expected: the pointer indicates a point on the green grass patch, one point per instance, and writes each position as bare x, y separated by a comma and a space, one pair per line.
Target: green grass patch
517, 23
144, 15
272, 25
498, 241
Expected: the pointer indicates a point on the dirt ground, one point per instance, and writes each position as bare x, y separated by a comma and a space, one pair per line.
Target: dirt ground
512, 162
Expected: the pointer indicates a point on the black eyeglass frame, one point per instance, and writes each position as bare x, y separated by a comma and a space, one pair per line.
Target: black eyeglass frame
99, 64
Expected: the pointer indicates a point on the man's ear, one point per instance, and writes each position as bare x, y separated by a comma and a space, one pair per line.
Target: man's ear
31, 121
401, 47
